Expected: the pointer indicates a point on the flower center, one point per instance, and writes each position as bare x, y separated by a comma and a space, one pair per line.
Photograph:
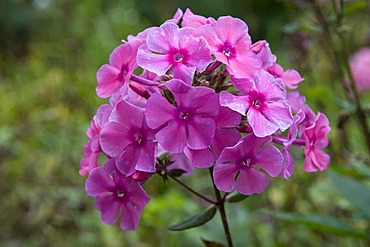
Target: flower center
178, 57
228, 50
184, 115
246, 162
139, 139
120, 193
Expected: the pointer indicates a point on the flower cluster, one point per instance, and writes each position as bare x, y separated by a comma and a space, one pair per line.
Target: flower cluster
205, 96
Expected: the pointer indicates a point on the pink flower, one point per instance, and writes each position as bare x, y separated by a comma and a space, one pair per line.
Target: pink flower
174, 48
122, 62
191, 20
127, 138
92, 148
230, 42
263, 101
114, 192
187, 123
235, 168
226, 135
262, 50
316, 138
289, 78
360, 67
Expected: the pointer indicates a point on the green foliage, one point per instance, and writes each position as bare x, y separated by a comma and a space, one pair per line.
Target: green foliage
195, 220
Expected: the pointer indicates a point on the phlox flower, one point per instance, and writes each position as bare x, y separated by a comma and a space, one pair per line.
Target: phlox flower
122, 62
235, 168
191, 20
230, 42
360, 67
92, 147
289, 78
127, 138
168, 46
226, 135
187, 123
316, 138
263, 100
114, 192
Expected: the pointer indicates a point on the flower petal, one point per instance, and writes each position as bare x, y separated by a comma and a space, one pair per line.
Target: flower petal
260, 125
224, 176
200, 132
108, 81
130, 216
237, 103
114, 138
99, 182
173, 137
251, 181
270, 159
157, 106
108, 207
156, 63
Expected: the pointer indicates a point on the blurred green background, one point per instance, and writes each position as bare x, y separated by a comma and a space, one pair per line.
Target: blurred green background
50, 51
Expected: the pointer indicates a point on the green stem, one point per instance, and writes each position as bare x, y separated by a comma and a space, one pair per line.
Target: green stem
193, 191
221, 207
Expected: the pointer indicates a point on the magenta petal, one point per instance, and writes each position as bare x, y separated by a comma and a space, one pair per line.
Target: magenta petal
172, 137
98, 182
251, 181
227, 118
130, 216
200, 55
146, 161
120, 55
224, 176
137, 195
260, 125
164, 38
200, 158
269, 159
157, 106
156, 63
108, 81
127, 115
108, 207
237, 103
278, 113
288, 164
114, 139
224, 138
200, 132
127, 160
184, 73
246, 66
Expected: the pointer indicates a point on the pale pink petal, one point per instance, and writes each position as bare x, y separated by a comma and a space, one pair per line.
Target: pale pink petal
199, 54
245, 65
156, 63
200, 132
316, 159
291, 78
224, 176
231, 29
108, 207
184, 73
114, 138
157, 106
251, 181
237, 103
191, 20
177, 140
266, 84
288, 164
269, 159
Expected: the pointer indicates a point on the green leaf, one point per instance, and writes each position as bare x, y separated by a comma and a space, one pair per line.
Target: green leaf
176, 172
194, 220
354, 7
208, 243
320, 223
356, 192
236, 197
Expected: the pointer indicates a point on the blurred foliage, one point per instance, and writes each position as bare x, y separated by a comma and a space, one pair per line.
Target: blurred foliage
50, 51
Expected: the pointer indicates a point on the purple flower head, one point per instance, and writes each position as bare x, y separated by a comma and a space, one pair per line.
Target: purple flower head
191, 20
122, 62
316, 138
174, 48
114, 192
92, 148
127, 138
235, 168
188, 123
360, 67
226, 135
263, 101
230, 42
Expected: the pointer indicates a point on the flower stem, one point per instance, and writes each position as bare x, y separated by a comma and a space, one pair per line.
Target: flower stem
143, 81
221, 207
192, 191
